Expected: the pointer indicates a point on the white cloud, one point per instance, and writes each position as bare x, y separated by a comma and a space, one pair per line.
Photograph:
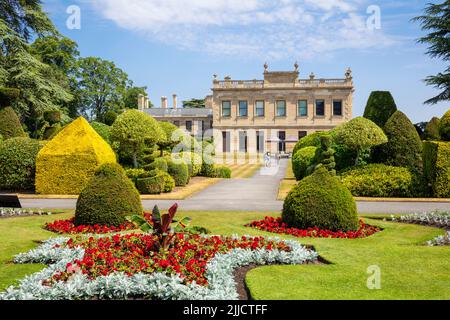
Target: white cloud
273, 29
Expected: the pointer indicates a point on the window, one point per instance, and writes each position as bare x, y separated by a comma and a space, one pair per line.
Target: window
243, 109
260, 141
320, 107
176, 123
337, 107
226, 146
302, 108
281, 108
282, 141
226, 108
259, 108
243, 141
189, 126
302, 134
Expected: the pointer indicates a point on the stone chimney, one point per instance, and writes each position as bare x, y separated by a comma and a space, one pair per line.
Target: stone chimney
164, 102
175, 101
141, 102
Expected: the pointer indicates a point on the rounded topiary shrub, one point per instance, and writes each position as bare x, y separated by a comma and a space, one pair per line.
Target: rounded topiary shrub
379, 180
169, 182
311, 140
52, 116
10, 126
108, 198
444, 127
8, 96
179, 172
321, 200
301, 160
380, 107
103, 130
431, 131
404, 147
18, 164
160, 164
110, 117
150, 185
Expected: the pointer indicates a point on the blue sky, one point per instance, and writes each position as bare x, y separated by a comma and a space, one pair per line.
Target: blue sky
175, 46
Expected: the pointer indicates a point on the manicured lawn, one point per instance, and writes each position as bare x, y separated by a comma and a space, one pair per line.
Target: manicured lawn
287, 183
408, 270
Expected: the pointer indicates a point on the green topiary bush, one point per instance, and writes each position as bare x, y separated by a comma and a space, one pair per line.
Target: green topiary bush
436, 158
325, 156
311, 140
158, 163
320, 200
379, 180
169, 182
222, 172
150, 185
103, 130
109, 118
52, 116
380, 107
18, 164
444, 127
431, 131
108, 198
404, 148
8, 96
301, 160
10, 126
179, 172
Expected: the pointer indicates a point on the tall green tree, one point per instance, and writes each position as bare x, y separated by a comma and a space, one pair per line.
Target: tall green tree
436, 21
101, 87
194, 103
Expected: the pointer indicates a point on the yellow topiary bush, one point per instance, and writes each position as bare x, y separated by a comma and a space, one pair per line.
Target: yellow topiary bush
69, 160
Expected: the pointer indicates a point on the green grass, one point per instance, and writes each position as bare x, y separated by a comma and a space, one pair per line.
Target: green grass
408, 269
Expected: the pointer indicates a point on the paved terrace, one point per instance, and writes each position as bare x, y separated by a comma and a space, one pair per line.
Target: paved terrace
258, 193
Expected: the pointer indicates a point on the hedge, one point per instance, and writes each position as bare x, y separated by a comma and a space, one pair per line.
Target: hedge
110, 117
301, 160
103, 130
107, 198
8, 96
321, 201
379, 180
67, 162
150, 185
436, 157
10, 126
222, 172
444, 127
431, 131
52, 116
18, 164
179, 172
160, 164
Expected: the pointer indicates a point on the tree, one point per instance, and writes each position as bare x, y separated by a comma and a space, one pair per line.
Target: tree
431, 131
380, 107
194, 103
404, 146
132, 95
436, 21
360, 135
134, 130
444, 126
169, 141
101, 87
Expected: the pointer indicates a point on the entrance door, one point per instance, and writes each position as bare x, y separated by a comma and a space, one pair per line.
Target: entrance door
282, 141
243, 141
226, 146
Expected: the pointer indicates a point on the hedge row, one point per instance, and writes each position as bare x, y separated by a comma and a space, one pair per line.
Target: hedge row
436, 157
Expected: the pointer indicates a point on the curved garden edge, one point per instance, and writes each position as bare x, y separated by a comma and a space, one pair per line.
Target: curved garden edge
159, 286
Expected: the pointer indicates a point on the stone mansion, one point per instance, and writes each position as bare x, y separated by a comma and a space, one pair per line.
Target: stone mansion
258, 116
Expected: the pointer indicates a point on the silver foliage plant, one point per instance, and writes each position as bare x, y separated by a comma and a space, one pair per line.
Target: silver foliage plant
440, 240
118, 285
437, 218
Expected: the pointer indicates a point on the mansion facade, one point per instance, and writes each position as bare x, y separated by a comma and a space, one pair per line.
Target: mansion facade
269, 115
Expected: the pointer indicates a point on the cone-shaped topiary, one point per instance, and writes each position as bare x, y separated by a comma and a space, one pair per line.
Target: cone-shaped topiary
380, 107
444, 127
301, 160
10, 126
108, 198
431, 131
69, 160
320, 200
404, 148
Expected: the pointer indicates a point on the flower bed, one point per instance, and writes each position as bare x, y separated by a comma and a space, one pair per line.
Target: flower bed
68, 227
440, 240
434, 219
125, 266
276, 225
